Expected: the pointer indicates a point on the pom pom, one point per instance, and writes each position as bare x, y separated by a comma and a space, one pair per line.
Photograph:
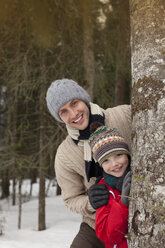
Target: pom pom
94, 126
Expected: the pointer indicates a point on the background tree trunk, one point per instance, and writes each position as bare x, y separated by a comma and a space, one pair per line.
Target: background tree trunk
19, 202
147, 206
12, 125
122, 53
5, 183
42, 155
13, 190
88, 46
58, 191
3, 117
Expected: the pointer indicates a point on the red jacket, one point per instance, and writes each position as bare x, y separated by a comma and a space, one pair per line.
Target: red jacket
112, 221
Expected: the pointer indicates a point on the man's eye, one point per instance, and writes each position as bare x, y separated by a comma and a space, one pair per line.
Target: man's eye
74, 103
119, 155
62, 112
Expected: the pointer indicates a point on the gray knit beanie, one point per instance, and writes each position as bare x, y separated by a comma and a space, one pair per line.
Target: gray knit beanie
62, 91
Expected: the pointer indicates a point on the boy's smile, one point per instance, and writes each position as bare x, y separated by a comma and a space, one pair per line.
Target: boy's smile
116, 165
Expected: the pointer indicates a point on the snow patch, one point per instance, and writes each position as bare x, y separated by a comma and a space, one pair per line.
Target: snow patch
62, 224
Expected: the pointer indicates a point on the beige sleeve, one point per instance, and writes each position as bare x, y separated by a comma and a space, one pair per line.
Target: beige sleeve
72, 185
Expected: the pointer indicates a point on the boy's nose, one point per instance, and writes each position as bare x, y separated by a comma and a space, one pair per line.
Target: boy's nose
114, 162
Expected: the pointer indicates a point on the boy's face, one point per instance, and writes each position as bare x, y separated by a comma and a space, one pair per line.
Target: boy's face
75, 113
116, 165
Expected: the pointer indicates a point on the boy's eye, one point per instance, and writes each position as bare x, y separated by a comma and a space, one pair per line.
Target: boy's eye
119, 155
105, 161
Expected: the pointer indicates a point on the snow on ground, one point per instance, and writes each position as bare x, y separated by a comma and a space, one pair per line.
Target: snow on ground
62, 224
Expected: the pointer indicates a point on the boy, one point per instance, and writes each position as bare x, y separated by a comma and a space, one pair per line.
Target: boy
112, 153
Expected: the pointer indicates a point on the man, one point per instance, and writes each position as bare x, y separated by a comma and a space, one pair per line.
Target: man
76, 171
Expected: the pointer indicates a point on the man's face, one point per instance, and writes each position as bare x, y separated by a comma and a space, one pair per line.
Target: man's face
75, 113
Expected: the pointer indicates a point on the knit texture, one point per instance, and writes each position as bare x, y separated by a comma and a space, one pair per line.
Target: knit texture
105, 142
80, 138
62, 91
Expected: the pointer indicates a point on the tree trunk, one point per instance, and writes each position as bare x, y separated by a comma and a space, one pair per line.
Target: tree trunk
88, 47
122, 63
5, 183
3, 112
19, 202
147, 205
33, 179
14, 191
41, 220
42, 158
13, 130
58, 191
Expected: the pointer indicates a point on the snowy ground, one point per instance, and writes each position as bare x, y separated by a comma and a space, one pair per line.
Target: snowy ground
62, 225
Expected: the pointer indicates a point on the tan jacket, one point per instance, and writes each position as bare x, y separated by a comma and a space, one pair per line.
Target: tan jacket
70, 165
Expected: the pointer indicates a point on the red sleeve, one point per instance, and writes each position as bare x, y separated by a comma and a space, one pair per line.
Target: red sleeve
112, 221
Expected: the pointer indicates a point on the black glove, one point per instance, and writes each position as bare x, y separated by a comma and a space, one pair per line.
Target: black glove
126, 189
98, 195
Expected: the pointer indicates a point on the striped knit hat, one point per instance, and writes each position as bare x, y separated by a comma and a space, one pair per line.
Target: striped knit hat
105, 142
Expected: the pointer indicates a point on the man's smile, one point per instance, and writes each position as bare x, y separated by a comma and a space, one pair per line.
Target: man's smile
78, 120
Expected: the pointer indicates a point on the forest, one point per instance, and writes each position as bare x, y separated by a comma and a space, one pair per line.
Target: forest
113, 48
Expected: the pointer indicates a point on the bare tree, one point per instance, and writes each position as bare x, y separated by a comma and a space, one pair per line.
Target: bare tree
147, 206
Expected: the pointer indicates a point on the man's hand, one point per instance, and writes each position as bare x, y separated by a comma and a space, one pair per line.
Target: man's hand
126, 189
98, 195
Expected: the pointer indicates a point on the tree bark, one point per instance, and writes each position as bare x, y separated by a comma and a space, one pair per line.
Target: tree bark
147, 205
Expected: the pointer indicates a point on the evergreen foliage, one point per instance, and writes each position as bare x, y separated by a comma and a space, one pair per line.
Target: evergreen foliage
42, 41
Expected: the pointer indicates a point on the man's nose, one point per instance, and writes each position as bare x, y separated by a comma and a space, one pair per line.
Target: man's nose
72, 113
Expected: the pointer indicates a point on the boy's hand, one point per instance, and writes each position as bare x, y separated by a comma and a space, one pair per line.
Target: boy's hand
98, 195
126, 189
